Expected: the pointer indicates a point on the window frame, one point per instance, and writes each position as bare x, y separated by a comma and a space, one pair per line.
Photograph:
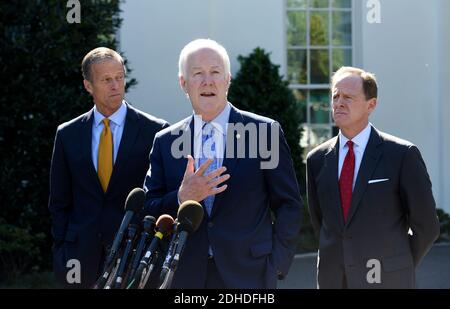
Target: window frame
308, 87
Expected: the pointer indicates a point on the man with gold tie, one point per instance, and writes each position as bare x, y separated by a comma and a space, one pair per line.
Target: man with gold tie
98, 158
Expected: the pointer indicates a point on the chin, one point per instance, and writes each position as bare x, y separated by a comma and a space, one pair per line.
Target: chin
116, 103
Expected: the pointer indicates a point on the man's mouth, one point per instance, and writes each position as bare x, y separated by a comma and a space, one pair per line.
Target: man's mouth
207, 94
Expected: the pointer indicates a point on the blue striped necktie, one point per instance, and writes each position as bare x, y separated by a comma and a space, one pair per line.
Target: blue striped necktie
208, 150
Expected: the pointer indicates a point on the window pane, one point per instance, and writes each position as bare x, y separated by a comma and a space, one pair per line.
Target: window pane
318, 3
296, 28
320, 106
300, 96
297, 66
319, 28
342, 28
345, 4
317, 136
341, 57
297, 4
319, 66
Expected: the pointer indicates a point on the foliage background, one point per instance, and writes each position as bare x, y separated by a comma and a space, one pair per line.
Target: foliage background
40, 56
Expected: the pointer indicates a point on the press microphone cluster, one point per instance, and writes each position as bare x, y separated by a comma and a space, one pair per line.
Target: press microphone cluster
136, 249
163, 229
189, 218
133, 204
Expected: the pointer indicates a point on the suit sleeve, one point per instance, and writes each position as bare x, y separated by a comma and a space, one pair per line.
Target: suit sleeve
417, 199
158, 200
286, 204
313, 201
60, 200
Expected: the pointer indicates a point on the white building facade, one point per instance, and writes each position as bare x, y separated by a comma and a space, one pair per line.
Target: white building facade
406, 44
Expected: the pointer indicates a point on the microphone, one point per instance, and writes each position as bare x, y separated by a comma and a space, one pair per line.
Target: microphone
133, 204
149, 225
132, 231
164, 227
170, 251
189, 217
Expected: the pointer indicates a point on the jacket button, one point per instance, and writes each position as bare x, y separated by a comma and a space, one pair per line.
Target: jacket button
210, 224
99, 235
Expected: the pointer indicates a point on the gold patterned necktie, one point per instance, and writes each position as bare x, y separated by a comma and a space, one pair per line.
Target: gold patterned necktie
105, 155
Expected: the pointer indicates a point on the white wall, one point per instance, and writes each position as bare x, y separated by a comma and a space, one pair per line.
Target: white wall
408, 51
154, 32
404, 53
443, 25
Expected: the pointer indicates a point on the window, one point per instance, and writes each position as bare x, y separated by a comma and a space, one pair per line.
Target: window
319, 41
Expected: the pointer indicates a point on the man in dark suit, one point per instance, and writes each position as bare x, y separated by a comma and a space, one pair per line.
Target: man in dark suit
251, 213
98, 158
369, 195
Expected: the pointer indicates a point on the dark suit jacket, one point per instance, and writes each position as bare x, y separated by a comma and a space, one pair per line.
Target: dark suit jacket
85, 219
380, 214
248, 248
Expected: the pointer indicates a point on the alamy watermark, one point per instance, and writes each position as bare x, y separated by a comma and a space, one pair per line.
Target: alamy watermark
374, 14
74, 14
242, 141
74, 273
374, 273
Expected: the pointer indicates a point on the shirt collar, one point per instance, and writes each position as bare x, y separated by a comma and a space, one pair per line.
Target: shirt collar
219, 123
359, 140
118, 118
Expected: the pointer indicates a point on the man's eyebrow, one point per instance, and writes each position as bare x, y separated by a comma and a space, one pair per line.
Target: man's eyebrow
113, 73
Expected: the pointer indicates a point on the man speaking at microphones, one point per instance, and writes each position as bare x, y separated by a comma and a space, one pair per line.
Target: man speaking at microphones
219, 157
98, 158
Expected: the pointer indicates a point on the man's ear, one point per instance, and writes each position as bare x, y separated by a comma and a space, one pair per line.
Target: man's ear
88, 86
182, 82
372, 105
228, 81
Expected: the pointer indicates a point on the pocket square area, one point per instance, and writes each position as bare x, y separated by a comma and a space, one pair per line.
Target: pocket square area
377, 180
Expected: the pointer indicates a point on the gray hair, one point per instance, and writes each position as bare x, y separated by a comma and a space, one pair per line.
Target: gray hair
369, 80
198, 44
97, 55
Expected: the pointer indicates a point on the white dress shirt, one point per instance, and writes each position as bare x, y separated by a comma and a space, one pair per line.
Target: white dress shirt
220, 124
359, 145
116, 123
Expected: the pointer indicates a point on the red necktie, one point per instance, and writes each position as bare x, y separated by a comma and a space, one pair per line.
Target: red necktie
346, 180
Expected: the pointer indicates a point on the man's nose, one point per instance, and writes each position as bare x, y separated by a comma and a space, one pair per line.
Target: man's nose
114, 84
208, 79
338, 102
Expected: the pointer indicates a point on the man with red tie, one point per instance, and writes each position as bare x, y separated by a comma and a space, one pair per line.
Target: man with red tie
369, 195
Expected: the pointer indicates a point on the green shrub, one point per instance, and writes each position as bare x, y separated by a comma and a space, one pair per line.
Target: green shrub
259, 88
444, 220
42, 86
19, 250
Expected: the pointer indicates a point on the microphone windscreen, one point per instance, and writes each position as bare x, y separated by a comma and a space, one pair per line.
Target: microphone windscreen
135, 200
190, 216
164, 224
149, 223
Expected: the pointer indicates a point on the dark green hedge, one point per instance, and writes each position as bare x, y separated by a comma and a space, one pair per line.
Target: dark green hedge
259, 88
40, 56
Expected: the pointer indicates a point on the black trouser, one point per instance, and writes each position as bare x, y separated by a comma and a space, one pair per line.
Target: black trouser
213, 278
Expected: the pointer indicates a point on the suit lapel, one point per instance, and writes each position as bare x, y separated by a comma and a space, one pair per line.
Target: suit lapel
86, 147
330, 172
369, 162
129, 135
